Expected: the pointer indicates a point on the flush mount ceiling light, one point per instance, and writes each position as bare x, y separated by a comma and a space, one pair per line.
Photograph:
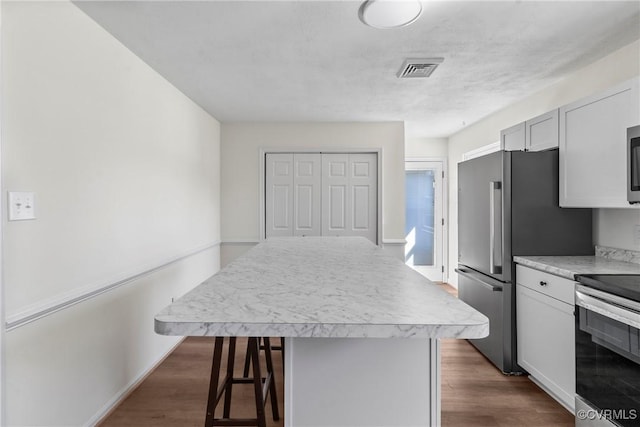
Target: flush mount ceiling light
387, 14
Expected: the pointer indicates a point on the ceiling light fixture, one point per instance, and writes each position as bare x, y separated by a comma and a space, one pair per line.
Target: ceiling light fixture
386, 14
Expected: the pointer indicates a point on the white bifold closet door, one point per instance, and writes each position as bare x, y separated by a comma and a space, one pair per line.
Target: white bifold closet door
319, 194
293, 186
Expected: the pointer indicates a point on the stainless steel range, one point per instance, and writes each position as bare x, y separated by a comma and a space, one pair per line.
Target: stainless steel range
608, 350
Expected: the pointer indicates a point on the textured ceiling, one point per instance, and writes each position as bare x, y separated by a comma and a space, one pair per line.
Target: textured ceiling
315, 61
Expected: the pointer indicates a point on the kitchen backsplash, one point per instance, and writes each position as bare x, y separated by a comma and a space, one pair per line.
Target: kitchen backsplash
618, 254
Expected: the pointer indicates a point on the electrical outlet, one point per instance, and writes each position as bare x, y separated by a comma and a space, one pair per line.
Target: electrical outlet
21, 205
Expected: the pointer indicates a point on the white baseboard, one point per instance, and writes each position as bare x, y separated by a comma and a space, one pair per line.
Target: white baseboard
394, 247
121, 395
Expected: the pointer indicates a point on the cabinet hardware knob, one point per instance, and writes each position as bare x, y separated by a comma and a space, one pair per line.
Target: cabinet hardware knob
543, 283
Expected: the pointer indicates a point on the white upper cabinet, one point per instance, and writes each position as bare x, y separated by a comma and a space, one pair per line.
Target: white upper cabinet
593, 147
513, 138
541, 133
537, 134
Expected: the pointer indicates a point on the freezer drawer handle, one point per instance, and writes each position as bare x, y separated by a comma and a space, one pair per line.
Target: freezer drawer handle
489, 286
494, 186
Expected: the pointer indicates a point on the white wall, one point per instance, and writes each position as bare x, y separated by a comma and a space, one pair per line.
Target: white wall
615, 68
426, 147
241, 144
126, 174
616, 228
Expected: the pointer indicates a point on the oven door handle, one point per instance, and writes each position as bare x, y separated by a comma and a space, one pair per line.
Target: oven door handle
609, 309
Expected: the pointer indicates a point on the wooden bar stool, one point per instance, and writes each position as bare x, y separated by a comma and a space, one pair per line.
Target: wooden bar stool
262, 386
247, 359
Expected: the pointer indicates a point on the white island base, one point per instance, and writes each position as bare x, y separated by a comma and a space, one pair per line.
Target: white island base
358, 382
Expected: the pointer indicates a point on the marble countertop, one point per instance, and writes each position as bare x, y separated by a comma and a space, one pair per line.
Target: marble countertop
570, 266
320, 287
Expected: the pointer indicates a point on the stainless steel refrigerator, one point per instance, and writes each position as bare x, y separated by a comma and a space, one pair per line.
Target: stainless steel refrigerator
508, 206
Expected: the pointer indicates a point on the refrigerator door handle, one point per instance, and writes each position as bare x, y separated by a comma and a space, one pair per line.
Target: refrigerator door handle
478, 280
494, 186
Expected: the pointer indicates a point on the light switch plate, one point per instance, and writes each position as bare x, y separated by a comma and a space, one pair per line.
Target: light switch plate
21, 205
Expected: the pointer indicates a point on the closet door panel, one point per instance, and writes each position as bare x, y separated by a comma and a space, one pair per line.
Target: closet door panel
364, 195
307, 197
335, 195
279, 195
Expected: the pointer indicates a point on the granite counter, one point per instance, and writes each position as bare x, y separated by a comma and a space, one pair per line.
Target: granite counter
361, 328
570, 266
320, 287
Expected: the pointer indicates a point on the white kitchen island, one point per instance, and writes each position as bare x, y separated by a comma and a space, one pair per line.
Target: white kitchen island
362, 329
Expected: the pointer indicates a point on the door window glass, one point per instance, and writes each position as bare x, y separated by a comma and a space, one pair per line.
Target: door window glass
419, 221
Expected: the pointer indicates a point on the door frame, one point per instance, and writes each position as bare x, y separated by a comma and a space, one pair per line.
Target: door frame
444, 197
262, 180
2, 292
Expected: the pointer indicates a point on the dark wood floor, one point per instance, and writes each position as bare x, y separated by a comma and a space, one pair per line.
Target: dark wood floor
474, 392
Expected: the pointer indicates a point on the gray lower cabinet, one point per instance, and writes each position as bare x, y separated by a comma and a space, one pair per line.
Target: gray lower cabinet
545, 332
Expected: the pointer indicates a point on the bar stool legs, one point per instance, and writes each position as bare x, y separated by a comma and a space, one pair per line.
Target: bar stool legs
262, 386
247, 360
270, 380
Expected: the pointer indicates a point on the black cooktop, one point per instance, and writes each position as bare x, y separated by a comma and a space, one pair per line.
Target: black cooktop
623, 285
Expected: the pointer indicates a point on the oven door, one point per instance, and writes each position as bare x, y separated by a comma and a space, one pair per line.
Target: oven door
607, 358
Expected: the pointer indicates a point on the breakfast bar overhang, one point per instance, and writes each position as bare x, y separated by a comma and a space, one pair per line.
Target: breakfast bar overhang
361, 328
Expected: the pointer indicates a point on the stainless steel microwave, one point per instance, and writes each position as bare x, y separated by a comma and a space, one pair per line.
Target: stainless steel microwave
633, 164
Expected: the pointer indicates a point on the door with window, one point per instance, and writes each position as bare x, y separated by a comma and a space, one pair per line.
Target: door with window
424, 221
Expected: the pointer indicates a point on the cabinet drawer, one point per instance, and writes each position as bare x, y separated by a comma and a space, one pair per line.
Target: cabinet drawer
548, 284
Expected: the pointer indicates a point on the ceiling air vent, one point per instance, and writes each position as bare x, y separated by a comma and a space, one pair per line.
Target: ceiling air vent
415, 68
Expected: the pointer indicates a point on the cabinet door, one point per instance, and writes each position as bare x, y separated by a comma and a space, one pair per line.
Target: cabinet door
593, 147
513, 138
541, 133
546, 342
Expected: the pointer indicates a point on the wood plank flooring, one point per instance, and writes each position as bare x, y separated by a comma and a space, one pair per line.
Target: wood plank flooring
474, 392
175, 393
